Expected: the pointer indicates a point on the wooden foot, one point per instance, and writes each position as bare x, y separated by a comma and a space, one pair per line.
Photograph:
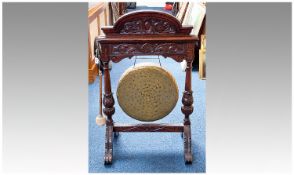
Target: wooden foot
108, 145
187, 145
188, 158
108, 158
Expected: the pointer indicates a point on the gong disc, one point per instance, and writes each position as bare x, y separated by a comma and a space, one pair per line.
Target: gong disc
147, 92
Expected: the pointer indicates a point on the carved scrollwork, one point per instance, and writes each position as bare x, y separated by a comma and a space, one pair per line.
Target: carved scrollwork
148, 48
148, 26
108, 103
176, 51
187, 101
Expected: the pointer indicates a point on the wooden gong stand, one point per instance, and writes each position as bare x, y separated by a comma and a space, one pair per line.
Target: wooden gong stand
147, 33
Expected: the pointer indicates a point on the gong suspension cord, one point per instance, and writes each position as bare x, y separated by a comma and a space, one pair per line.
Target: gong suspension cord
159, 61
135, 61
147, 58
100, 92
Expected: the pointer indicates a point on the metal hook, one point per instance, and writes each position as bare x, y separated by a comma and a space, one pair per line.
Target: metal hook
135, 61
159, 61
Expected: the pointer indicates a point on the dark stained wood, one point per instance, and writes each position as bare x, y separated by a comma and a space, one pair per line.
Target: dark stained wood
187, 109
108, 110
148, 38
146, 127
108, 144
147, 33
147, 22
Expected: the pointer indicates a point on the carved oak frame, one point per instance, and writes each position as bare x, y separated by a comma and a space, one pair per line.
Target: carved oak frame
147, 33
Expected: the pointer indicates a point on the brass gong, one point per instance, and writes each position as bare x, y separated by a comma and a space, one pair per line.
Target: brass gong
147, 92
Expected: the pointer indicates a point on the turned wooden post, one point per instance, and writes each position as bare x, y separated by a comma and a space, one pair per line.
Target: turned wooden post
187, 109
108, 110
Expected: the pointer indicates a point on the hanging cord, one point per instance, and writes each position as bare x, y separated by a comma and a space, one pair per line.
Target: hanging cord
135, 61
159, 61
100, 119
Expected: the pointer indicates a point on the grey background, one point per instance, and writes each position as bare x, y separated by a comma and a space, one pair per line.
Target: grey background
45, 87
248, 87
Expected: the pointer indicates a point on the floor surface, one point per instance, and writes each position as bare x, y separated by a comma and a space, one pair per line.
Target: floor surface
149, 152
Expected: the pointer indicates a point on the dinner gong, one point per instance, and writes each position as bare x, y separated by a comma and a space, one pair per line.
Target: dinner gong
147, 92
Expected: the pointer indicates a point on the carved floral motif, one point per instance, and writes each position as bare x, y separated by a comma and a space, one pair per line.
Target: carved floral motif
147, 48
148, 26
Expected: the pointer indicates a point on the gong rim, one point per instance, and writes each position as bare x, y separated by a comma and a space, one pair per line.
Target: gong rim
147, 92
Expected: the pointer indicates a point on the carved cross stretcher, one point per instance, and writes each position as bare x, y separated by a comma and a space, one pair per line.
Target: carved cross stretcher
147, 33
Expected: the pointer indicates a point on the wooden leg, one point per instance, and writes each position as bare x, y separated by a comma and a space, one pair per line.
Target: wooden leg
187, 109
187, 144
108, 110
108, 145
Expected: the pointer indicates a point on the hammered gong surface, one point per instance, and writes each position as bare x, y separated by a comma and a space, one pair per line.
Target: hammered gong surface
147, 92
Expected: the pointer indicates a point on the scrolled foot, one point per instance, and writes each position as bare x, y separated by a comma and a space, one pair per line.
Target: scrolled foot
108, 159
187, 145
188, 158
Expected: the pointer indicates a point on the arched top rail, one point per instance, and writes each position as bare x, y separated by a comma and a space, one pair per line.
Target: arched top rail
147, 22
147, 33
